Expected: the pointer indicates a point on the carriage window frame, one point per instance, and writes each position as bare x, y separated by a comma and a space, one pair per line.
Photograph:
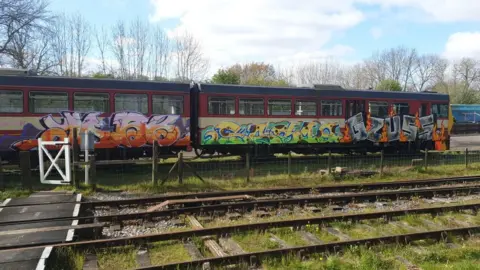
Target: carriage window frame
376, 103
31, 104
171, 101
437, 107
250, 108
401, 105
281, 112
309, 104
337, 105
6, 92
86, 94
142, 103
227, 102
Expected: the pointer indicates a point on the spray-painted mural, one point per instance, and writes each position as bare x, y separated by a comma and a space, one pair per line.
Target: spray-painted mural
356, 129
122, 129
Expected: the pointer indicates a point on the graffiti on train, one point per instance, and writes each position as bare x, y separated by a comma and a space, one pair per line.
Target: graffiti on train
355, 129
122, 129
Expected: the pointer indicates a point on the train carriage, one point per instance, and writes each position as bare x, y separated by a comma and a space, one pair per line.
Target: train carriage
315, 120
127, 116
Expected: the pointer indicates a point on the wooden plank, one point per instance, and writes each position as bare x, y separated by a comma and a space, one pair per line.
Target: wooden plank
193, 251
49, 229
338, 234
230, 246
90, 262
310, 238
212, 245
282, 243
210, 199
143, 259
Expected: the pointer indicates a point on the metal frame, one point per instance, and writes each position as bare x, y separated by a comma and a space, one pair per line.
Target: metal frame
65, 149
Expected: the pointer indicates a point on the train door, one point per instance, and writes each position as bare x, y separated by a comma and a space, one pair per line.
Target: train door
423, 110
353, 107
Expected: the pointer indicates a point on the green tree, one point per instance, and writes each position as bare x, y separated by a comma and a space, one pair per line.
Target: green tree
100, 75
226, 76
389, 85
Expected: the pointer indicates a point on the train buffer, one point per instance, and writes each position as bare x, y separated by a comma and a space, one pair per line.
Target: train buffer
36, 232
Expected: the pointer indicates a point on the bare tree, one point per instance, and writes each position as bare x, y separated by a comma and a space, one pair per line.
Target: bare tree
139, 34
20, 15
467, 72
429, 70
396, 63
102, 42
71, 44
327, 71
189, 59
161, 54
119, 48
30, 49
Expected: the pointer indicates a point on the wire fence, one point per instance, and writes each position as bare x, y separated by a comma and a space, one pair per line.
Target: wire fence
120, 172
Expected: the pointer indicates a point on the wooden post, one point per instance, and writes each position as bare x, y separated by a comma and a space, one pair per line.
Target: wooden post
75, 157
466, 157
93, 172
154, 162
289, 167
25, 167
180, 167
381, 162
329, 162
247, 165
426, 159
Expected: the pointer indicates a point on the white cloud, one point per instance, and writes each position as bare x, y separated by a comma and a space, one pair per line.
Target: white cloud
437, 10
462, 44
376, 32
261, 30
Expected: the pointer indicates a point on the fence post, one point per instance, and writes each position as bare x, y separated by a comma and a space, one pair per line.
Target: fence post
75, 157
247, 165
426, 159
180, 167
466, 157
154, 162
329, 162
2, 179
381, 162
25, 167
93, 172
289, 168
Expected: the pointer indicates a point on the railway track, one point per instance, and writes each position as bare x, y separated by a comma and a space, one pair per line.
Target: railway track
227, 230
272, 191
244, 206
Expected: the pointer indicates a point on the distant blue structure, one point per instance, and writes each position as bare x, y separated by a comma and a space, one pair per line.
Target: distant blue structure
466, 113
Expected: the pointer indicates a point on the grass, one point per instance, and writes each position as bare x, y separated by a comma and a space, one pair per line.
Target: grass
167, 252
138, 180
117, 258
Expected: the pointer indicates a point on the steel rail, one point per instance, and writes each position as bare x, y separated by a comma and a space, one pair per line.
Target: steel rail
319, 248
262, 192
247, 205
245, 227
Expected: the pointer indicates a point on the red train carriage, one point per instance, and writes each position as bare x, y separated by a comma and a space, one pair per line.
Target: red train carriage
314, 120
125, 116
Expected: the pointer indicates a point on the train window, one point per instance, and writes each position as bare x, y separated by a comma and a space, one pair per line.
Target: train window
441, 110
11, 101
131, 103
331, 107
279, 107
221, 105
91, 102
48, 102
251, 106
167, 104
378, 109
401, 108
305, 108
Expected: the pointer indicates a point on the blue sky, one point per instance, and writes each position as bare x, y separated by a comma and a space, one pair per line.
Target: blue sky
289, 31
